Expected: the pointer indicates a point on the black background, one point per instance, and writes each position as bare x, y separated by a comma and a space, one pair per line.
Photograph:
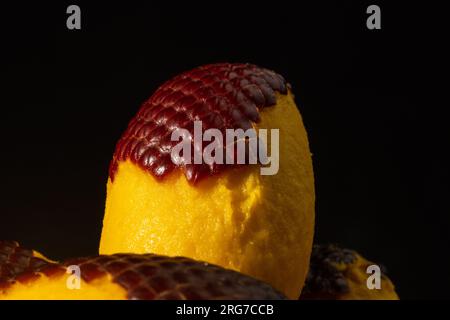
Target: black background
368, 99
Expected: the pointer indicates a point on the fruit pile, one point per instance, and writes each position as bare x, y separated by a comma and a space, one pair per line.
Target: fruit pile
163, 217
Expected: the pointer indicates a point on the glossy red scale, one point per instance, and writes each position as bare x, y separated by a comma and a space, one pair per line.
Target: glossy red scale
222, 96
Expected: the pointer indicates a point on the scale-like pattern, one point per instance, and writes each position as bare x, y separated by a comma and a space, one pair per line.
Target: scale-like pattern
143, 276
150, 276
324, 277
328, 276
15, 260
222, 96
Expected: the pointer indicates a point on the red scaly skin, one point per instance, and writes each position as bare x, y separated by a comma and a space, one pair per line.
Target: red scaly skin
326, 281
143, 276
15, 260
222, 96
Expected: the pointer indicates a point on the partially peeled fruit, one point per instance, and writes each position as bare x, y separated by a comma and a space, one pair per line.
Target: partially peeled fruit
121, 276
229, 215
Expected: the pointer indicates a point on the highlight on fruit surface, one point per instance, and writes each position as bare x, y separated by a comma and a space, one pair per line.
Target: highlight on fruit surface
341, 274
122, 276
229, 215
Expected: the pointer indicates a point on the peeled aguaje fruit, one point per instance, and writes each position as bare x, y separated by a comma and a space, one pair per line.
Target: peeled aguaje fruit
340, 274
122, 276
229, 215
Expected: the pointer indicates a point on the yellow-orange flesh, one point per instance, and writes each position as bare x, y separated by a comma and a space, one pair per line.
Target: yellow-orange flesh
259, 225
56, 288
356, 275
342, 274
129, 276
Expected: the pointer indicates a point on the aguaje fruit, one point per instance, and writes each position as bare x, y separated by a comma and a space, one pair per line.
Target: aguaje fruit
124, 276
340, 274
227, 214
